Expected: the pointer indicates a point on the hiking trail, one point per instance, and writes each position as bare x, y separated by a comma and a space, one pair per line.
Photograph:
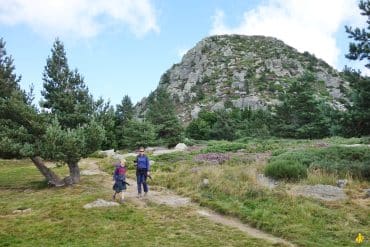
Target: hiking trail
160, 195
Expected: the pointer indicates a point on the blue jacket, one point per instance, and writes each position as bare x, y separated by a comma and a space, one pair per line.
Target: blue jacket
143, 162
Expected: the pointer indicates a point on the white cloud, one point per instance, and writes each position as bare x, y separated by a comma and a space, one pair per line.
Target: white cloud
79, 18
307, 25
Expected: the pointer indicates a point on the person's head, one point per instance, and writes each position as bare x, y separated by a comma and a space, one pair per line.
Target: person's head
141, 150
123, 162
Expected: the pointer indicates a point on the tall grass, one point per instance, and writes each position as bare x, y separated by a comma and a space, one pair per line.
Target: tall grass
233, 190
57, 217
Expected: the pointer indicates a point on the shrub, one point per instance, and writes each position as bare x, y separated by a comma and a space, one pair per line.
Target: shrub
98, 154
222, 147
337, 159
286, 169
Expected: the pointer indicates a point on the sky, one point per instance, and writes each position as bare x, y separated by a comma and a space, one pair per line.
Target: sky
122, 47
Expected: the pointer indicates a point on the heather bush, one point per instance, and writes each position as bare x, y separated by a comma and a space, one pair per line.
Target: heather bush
286, 169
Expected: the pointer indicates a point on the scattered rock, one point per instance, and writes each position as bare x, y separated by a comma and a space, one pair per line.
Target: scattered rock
101, 203
341, 183
22, 211
367, 193
320, 191
164, 151
205, 182
90, 172
109, 152
266, 181
181, 147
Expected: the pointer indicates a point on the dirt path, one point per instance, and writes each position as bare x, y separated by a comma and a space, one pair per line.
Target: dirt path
167, 197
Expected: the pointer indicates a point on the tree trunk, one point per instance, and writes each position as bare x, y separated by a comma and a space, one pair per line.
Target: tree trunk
50, 176
74, 172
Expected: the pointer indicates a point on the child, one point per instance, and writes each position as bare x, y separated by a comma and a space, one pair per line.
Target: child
119, 177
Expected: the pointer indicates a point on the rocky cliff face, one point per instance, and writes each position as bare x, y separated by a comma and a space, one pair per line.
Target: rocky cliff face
243, 71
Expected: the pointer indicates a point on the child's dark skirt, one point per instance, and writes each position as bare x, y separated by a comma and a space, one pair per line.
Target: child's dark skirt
119, 186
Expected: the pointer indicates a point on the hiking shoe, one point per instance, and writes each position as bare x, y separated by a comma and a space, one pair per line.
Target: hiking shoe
139, 195
146, 194
114, 197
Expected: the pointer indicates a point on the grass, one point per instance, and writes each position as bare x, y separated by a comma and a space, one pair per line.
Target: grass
59, 219
340, 160
232, 190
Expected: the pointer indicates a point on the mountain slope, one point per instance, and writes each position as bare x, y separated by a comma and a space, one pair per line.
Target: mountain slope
244, 71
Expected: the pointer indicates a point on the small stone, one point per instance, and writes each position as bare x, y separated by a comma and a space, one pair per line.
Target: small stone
100, 203
367, 193
22, 211
205, 182
341, 183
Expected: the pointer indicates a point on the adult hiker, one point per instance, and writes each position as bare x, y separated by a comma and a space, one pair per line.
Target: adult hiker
119, 176
142, 171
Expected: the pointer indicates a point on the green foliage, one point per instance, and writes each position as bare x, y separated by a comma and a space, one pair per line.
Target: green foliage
360, 49
71, 145
354, 161
301, 115
20, 124
222, 147
65, 93
198, 129
161, 113
124, 111
104, 114
229, 125
232, 190
9, 81
73, 225
138, 134
286, 169
357, 119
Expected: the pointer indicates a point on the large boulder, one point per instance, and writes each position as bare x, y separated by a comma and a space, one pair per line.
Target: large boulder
181, 147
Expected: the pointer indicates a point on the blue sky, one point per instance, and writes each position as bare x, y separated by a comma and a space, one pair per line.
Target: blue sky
124, 46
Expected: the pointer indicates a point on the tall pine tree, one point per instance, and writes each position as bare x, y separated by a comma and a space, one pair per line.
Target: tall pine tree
65, 93
358, 118
21, 127
71, 106
161, 113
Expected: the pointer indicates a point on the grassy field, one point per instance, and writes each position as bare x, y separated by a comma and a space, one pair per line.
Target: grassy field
232, 189
57, 217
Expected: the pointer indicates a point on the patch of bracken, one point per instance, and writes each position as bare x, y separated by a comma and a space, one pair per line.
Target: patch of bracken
214, 158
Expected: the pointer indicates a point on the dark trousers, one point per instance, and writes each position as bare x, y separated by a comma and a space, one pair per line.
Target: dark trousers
141, 180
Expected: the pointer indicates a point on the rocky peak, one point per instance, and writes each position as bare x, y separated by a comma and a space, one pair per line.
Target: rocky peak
243, 71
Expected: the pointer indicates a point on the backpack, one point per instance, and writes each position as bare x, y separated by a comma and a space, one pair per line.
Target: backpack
120, 173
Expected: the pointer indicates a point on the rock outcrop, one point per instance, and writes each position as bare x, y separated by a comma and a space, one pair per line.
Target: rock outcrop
227, 71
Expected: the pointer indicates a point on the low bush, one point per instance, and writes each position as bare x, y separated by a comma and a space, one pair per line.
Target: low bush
286, 169
223, 147
98, 155
354, 161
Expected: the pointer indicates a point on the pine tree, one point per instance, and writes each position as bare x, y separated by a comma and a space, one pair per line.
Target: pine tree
360, 49
70, 104
124, 111
65, 93
104, 114
21, 127
161, 113
357, 121
301, 115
